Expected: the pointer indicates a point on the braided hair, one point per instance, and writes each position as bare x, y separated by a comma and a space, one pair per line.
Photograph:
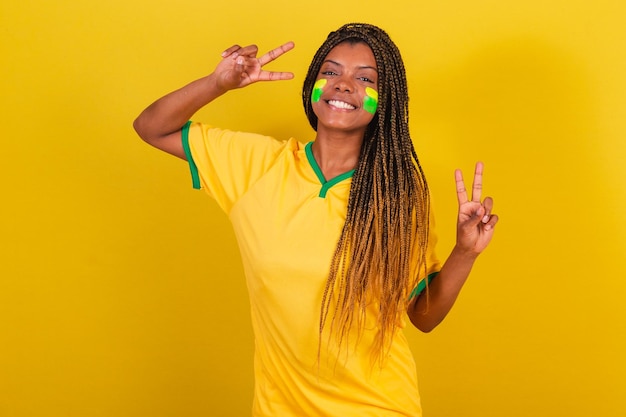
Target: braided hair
382, 246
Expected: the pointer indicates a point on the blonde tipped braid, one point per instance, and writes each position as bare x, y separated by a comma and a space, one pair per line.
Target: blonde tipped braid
388, 208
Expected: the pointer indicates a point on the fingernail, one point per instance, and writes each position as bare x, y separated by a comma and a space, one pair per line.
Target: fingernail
485, 218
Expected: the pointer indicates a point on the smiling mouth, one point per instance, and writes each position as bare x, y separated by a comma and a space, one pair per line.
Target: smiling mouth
341, 104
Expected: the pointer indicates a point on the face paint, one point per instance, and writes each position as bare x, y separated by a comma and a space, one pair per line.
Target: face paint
370, 104
318, 87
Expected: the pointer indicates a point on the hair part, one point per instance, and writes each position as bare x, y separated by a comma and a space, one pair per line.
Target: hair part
382, 247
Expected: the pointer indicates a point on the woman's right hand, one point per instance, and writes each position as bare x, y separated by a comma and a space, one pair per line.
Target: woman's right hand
241, 67
160, 123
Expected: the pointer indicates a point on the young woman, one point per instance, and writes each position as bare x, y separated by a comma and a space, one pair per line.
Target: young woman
335, 233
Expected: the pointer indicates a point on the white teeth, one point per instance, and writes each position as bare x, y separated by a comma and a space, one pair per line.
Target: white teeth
341, 104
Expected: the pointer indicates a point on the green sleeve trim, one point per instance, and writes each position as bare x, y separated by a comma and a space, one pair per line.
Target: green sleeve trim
195, 177
326, 185
422, 284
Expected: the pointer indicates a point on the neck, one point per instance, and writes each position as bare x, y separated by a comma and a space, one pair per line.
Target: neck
336, 154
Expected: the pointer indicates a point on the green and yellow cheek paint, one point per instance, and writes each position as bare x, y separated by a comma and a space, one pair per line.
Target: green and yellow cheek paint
318, 88
370, 103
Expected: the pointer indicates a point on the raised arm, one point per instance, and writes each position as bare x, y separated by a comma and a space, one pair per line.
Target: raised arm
475, 227
160, 123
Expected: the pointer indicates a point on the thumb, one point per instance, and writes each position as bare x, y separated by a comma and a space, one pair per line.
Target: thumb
476, 217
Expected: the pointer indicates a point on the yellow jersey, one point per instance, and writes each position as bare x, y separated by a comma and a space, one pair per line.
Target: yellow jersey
287, 220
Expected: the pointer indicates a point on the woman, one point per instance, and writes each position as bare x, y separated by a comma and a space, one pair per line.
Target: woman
335, 233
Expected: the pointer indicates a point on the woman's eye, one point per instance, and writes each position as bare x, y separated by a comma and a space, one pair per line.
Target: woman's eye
367, 80
329, 73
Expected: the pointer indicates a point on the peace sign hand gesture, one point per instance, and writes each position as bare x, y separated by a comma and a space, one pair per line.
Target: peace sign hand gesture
241, 67
476, 221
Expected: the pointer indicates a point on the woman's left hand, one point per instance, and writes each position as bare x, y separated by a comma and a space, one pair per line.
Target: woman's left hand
476, 221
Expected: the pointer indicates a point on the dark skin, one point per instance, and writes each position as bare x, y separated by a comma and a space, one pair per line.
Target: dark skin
348, 70
342, 120
475, 228
160, 123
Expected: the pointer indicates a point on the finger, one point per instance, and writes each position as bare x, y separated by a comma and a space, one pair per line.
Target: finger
239, 63
493, 219
230, 50
276, 52
477, 216
275, 76
472, 218
477, 186
249, 51
461, 192
488, 205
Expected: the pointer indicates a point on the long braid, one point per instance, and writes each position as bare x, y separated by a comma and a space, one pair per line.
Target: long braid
388, 208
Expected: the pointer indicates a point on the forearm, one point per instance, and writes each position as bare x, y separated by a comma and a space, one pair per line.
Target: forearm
160, 124
168, 114
475, 227
427, 311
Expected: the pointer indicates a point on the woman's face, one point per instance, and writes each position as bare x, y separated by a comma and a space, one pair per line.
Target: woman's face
345, 95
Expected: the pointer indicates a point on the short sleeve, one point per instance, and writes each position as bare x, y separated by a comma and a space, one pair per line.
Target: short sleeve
433, 265
226, 163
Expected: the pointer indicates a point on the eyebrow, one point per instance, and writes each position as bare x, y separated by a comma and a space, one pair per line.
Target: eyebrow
360, 67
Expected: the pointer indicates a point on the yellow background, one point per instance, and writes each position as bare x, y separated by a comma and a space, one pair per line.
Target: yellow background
121, 292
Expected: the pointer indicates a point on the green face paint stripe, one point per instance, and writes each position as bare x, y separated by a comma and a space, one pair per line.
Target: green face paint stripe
370, 103
318, 88
317, 94
195, 177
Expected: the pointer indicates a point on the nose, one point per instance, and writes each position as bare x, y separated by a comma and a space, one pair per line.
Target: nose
344, 84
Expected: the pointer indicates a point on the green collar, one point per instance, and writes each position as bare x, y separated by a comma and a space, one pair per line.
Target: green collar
325, 184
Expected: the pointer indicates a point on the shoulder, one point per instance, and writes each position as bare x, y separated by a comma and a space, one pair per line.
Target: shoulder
201, 132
